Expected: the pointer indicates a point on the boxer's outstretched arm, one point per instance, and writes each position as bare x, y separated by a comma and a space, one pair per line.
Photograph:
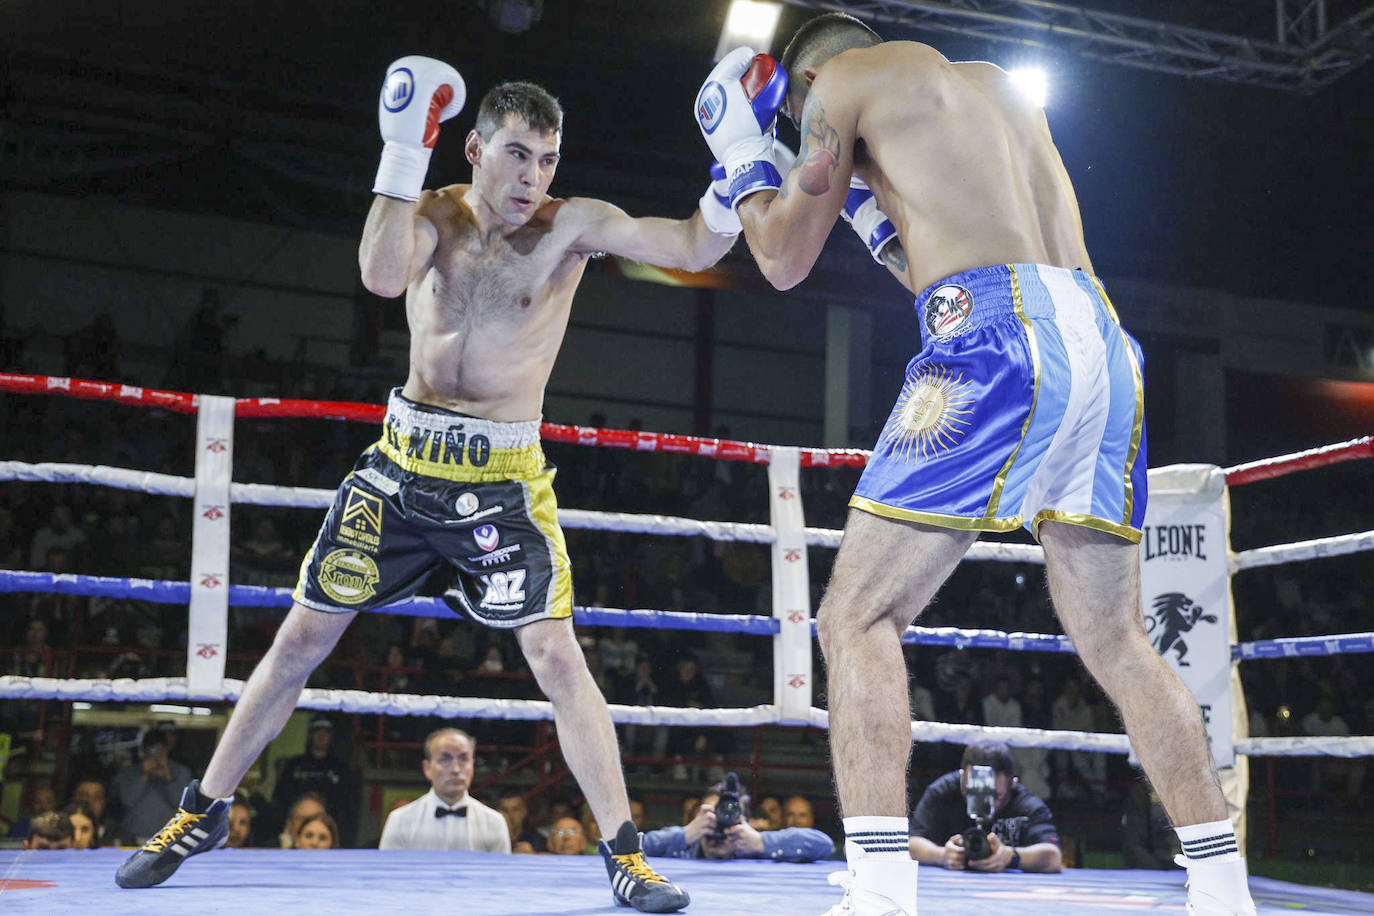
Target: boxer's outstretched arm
687, 244
397, 244
786, 229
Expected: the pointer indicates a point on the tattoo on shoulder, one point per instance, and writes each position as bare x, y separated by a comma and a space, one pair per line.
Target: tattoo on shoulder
820, 152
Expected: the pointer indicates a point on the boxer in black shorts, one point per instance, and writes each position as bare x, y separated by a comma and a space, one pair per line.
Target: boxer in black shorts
458, 480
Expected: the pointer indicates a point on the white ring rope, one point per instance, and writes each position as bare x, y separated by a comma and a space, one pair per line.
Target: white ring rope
309, 498
1303, 550
156, 689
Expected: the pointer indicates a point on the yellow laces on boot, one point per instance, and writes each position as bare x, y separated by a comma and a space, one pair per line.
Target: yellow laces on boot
634, 863
173, 831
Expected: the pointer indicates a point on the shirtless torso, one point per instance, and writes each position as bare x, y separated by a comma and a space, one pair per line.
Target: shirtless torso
488, 315
958, 159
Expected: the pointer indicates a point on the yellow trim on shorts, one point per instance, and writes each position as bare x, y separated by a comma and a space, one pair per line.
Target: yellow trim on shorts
542, 507
1106, 300
298, 593
1137, 429
959, 522
502, 463
1085, 521
1001, 479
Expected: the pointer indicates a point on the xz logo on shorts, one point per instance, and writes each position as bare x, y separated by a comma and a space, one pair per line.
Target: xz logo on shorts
504, 591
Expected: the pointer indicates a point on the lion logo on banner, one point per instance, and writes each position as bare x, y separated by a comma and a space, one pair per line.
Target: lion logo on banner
1174, 615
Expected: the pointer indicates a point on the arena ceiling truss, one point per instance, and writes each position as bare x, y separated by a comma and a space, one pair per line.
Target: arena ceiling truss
1305, 45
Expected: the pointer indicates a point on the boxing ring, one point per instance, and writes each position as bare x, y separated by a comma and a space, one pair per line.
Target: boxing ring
368, 879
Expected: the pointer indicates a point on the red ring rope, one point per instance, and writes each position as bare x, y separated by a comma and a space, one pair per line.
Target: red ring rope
723, 449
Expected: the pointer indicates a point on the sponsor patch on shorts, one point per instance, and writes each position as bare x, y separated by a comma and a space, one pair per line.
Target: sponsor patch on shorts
348, 576
947, 311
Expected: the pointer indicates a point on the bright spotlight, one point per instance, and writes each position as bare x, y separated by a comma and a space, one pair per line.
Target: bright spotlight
749, 22
1033, 84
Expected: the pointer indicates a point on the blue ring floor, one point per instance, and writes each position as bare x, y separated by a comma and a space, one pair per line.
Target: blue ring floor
481, 884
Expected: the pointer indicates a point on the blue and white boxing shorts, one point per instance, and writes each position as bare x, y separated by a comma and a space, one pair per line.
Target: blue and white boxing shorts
1025, 404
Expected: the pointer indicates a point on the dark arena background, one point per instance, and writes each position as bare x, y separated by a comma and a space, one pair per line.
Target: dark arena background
182, 191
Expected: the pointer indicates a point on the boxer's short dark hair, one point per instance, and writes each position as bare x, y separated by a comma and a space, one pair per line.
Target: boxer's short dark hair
532, 103
822, 38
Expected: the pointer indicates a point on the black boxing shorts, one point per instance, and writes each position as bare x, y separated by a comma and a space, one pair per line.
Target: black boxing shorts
440, 488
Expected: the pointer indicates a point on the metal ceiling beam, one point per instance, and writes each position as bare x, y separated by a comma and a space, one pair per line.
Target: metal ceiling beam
1306, 55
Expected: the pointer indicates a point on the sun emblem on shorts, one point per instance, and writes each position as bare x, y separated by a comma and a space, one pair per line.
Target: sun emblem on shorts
928, 418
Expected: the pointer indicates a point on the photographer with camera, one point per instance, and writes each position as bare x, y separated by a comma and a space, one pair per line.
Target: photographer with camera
980, 818
721, 830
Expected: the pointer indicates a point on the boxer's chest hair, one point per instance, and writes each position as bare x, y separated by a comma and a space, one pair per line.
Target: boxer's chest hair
497, 281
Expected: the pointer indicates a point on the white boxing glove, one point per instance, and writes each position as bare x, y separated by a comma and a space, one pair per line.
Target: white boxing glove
863, 216
419, 94
737, 111
716, 211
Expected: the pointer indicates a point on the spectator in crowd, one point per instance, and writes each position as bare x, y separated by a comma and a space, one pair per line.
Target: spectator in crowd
1324, 721
447, 817
567, 839
1148, 839
637, 813
42, 799
619, 653
83, 825
768, 814
60, 531
1021, 835
240, 826
34, 657
303, 809
590, 830
320, 770
1034, 762
145, 793
316, 832
642, 690
91, 793
1077, 769
1000, 708
797, 812
702, 839
50, 830
523, 837
11, 545
922, 702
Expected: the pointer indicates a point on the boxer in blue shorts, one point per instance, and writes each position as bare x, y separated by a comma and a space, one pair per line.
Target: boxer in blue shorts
1024, 406
457, 482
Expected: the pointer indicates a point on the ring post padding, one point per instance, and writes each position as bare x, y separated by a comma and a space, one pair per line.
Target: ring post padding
1186, 590
207, 627
791, 589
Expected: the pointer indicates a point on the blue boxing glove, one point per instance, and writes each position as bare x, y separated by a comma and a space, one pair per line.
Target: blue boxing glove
737, 110
863, 216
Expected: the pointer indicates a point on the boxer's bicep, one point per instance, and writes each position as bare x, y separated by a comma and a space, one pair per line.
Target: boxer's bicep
682, 243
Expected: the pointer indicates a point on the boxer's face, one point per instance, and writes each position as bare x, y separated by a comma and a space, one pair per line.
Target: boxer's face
512, 170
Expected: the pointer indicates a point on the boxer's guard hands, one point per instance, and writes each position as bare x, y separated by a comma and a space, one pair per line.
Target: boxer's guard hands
720, 217
737, 110
418, 95
868, 222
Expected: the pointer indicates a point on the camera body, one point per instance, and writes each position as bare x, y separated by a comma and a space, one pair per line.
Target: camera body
980, 803
729, 811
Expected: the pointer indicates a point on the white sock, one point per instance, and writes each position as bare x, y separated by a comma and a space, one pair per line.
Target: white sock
1211, 844
881, 838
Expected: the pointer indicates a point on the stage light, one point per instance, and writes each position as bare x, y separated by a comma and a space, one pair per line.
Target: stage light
1033, 84
749, 22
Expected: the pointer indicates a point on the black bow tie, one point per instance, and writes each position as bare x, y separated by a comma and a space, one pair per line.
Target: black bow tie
441, 811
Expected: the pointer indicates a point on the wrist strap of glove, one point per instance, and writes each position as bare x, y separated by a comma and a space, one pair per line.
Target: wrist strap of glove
716, 213
751, 177
401, 173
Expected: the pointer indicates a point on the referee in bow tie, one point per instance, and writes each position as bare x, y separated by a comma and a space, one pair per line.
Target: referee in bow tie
446, 817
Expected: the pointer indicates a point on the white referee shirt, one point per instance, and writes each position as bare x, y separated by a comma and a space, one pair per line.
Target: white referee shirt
415, 826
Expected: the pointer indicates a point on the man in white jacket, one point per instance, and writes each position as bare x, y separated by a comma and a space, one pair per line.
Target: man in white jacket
446, 817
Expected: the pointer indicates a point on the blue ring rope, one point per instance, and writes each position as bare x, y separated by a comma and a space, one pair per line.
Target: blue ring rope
160, 591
